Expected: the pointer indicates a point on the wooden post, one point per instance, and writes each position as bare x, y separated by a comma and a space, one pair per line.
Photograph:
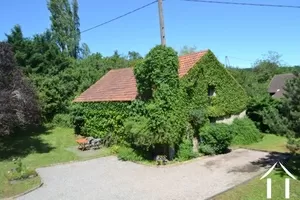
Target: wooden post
162, 23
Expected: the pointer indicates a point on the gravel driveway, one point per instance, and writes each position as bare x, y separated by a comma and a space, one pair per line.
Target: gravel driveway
110, 179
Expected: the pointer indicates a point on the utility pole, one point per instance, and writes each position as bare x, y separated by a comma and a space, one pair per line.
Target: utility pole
162, 23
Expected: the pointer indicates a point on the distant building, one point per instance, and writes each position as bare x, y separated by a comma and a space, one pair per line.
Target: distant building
276, 86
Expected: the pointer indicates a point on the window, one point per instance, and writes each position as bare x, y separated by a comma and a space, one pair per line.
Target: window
211, 91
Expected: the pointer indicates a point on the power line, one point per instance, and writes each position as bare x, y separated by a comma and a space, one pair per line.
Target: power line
244, 4
116, 18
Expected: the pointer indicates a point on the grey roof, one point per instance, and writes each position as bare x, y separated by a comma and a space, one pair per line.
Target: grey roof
277, 84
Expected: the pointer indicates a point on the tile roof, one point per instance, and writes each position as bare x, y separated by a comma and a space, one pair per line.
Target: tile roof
276, 86
120, 84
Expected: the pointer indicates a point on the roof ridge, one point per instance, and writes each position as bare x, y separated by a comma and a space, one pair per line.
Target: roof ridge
202, 51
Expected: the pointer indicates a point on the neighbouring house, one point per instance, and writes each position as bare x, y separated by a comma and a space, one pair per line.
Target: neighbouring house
206, 81
276, 86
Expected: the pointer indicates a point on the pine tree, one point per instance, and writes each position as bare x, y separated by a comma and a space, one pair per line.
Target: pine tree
292, 104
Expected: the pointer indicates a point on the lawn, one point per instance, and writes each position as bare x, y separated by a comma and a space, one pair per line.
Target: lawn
256, 189
270, 142
49, 147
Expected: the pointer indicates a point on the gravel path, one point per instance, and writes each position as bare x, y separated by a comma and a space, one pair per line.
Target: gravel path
110, 179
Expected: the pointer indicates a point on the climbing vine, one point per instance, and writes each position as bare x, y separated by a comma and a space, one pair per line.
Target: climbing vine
229, 97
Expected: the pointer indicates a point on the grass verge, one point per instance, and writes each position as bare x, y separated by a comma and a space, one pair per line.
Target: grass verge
270, 142
47, 148
256, 189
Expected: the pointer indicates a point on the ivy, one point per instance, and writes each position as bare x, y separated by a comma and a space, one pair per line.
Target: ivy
160, 119
166, 107
104, 120
208, 72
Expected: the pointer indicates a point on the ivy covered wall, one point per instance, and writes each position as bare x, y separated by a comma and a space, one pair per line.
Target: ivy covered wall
102, 119
160, 115
208, 73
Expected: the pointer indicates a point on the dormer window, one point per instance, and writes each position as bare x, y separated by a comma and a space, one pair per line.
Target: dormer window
211, 91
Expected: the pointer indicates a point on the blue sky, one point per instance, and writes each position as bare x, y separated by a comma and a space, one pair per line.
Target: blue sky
240, 32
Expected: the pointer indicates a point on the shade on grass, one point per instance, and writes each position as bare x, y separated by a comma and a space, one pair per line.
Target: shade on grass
35, 150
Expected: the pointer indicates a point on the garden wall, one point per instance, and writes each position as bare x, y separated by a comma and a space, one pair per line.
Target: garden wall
229, 119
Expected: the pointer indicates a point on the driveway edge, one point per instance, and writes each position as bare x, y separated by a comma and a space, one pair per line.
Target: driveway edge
26, 192
233, 187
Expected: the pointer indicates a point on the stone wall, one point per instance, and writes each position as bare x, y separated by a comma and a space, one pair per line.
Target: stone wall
231, 118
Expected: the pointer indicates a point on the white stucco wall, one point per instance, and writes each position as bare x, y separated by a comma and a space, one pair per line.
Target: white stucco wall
229, 119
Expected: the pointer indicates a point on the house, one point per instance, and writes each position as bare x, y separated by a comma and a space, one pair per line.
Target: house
276, 86
119, 85
206, 83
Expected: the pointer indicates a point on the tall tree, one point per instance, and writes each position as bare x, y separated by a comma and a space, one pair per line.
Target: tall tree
187, 50
18, 102
65, 25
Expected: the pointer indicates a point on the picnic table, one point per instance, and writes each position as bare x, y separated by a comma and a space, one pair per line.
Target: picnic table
83, 144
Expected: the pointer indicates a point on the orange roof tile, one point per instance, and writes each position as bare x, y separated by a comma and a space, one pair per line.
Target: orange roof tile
186, 62
120, 84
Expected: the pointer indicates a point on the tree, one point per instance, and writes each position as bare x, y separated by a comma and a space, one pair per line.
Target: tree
187, 50
266, 68
291, 104
18, 101
65, 25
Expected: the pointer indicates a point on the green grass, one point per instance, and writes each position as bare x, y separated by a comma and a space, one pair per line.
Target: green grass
270, 142
36, 151
256, 189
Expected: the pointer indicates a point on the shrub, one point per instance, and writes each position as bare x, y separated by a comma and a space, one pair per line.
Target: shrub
245, 132
62, 120
207, 149
20, 171
128, 154
115, 149
217, 136
293, 145
185, 151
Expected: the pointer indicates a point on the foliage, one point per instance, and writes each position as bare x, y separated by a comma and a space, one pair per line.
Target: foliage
158, 116
266, 68
20, 171
207, 149
19, 105
129, 154
185, 151
159, 69
114, 149
187, 50
293, 145
102, 120
197, 118
244, 132
57, 77
65, 25
216, 136
209, 72
62, 120
291, 104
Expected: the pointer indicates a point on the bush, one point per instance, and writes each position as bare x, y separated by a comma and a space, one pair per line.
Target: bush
115, 149
293, 145
245, 132
128, 154
62, 120
216, 136
207, 149
185, 151
20, 171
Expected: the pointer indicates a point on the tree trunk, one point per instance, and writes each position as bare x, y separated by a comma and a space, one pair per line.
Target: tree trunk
195, 144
